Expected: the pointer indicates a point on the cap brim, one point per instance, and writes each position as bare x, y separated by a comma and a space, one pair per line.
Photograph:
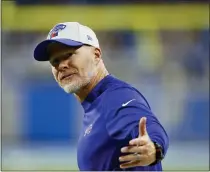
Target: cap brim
40, 52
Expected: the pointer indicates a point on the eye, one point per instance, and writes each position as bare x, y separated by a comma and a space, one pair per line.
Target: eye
56, 61
66, 56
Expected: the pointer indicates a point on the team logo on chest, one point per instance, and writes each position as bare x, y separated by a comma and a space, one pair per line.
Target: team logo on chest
88, 129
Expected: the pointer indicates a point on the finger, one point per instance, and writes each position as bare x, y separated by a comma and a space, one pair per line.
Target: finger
142, 127
130, 149
134, 149
138, 142
130, 164
131, 157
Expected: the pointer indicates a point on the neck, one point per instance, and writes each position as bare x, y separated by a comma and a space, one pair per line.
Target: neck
83, 92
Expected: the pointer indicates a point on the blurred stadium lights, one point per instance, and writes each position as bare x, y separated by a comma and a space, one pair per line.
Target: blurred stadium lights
109, 17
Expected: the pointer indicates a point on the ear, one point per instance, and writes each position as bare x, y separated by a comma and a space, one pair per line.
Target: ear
98, 54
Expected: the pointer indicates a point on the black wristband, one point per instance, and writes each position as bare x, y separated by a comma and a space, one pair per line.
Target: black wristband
159, 154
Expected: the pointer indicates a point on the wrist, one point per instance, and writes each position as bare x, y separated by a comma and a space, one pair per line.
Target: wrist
158, 153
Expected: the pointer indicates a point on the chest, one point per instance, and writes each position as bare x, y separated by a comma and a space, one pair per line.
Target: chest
94, 145
93, 134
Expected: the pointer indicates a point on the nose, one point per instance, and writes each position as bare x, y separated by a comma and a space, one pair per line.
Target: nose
64, 64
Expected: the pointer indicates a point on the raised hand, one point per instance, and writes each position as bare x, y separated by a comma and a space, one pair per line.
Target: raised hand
141, 150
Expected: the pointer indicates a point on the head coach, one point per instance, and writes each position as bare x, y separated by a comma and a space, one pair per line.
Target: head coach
120, 131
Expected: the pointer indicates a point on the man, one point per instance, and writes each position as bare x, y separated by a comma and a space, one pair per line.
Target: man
119, 131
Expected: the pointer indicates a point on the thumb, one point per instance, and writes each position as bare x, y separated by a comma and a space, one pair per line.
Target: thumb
142, 127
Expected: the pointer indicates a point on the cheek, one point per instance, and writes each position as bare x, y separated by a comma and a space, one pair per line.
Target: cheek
88, 67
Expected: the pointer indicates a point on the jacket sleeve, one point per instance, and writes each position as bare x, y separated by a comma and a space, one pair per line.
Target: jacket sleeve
122, 120
155, 131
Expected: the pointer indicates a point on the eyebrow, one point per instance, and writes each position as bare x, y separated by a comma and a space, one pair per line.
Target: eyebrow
63, 53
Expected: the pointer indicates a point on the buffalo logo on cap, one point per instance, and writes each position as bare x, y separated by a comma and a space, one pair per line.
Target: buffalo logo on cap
54, 32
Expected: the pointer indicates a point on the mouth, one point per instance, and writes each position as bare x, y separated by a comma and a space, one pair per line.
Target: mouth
67, 76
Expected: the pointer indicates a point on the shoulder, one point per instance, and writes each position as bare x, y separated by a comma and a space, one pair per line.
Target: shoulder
123, 93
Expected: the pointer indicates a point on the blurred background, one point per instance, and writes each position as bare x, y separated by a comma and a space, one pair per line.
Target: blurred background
160, 47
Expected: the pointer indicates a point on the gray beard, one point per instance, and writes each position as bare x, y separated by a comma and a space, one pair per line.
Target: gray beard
75, 86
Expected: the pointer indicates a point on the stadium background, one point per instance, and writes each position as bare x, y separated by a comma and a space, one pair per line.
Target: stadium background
161, 48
